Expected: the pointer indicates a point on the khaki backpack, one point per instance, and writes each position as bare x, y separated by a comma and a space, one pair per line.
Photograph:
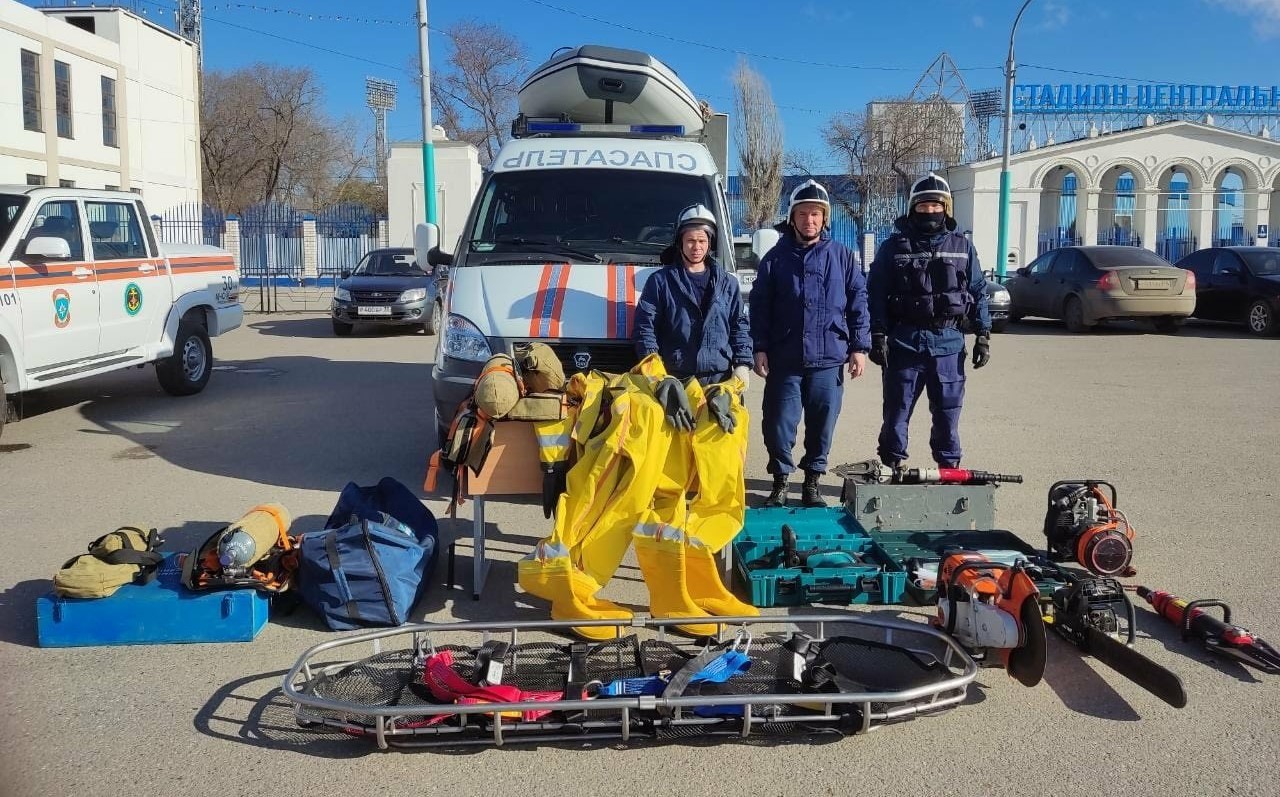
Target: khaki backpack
125, 556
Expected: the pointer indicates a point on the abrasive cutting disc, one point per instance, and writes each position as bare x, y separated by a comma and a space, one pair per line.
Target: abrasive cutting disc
1026, 662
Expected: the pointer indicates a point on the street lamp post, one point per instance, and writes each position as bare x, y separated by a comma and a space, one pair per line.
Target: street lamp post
428, 148
1002, 241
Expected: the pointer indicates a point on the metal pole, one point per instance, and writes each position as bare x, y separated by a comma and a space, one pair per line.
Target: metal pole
1002, 241
428, 149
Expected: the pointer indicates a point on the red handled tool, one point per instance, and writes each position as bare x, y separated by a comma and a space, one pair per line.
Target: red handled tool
1219, 636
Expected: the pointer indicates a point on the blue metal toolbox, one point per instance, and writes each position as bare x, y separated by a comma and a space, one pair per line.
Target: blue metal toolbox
161, 612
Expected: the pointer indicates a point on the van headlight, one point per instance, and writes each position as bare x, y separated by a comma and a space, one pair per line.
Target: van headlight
342, 294
413, 295
462, 341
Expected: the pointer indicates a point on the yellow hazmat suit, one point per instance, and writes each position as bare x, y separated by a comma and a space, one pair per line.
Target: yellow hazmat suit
630, 484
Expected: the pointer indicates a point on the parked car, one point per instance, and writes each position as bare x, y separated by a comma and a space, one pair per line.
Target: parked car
1237, 283
998, 303
389, 287
1085, 285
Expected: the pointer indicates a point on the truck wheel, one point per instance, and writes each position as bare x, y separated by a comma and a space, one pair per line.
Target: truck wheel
341, 328
187, 371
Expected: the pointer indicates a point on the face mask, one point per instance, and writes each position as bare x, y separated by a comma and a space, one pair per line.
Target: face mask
929, 223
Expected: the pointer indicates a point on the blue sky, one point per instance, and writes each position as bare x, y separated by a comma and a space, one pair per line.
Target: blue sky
866, 48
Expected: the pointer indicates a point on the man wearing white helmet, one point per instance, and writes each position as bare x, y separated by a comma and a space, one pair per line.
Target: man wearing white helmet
809, 323
925, 287
690, 312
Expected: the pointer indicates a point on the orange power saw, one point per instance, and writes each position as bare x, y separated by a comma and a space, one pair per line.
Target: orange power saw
993, 610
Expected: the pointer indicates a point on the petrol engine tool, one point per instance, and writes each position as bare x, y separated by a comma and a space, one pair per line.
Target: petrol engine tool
1083, 525
875, 471
1219, 636
993, 610
1096, 616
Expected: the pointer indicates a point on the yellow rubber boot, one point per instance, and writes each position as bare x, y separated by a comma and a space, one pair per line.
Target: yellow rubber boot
662, 561
706, 587
571, 593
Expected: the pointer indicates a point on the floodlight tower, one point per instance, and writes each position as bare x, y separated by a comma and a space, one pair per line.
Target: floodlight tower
380, 96
189, 26
984, 105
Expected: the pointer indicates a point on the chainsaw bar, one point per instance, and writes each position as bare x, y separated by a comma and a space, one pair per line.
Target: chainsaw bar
1136, 667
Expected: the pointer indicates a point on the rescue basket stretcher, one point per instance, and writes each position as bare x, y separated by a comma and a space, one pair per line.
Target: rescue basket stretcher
852, 674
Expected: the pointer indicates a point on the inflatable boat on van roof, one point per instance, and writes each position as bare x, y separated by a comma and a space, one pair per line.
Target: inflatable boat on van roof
596, 84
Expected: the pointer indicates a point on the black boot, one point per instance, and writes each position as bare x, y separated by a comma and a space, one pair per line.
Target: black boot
778, 495
809, 492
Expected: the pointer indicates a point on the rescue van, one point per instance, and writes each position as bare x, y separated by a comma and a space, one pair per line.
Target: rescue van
572, 218
86, 288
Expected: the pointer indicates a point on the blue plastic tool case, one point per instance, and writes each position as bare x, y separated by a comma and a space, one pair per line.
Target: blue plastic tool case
873, 580
161, 612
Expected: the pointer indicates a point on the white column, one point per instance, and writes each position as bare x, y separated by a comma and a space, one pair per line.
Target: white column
1147, 222
310, 250
1204, 220
1089, 229
1259, 215
231, 239
868, 250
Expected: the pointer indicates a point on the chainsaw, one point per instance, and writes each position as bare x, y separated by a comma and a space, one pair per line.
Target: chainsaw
1096, 616
993, 610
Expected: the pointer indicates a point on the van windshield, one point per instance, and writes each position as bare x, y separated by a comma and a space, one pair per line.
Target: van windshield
584, 214
11, 206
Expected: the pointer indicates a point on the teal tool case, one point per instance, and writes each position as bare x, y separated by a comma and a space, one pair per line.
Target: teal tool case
161, 612
763, 574
890, 528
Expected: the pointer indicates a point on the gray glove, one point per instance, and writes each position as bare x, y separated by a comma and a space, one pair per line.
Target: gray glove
879, 353
675, 404
720, 405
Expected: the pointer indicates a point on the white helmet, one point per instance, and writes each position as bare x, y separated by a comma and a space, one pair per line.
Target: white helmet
931, 188
811, 191
697, 217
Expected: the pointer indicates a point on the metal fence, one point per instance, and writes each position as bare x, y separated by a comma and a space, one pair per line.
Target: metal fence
271, 244
1056, 238
191, 223
344, 233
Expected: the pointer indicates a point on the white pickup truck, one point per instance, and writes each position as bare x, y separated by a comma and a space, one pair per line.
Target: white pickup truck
85, 288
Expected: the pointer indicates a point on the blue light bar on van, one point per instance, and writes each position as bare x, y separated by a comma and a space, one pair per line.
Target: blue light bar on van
574, 127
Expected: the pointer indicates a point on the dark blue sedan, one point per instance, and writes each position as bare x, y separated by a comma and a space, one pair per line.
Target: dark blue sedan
388, 287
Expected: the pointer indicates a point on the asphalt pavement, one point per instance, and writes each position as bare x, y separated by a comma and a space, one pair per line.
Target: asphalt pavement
1187, 427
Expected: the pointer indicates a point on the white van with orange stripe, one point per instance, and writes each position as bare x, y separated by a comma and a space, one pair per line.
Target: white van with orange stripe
86, 288
565, 230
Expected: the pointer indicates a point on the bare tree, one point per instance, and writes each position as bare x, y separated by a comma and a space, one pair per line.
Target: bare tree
758, 136
888, 146
486, 67
264, 136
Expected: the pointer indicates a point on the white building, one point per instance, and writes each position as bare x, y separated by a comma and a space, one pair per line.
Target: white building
1172, 187
458, 176
98, 98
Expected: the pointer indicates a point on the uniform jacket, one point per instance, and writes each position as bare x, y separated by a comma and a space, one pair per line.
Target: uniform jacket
693, 338
809, 304
909, 249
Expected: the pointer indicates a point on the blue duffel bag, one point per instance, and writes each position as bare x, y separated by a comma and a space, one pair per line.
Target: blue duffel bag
368, 566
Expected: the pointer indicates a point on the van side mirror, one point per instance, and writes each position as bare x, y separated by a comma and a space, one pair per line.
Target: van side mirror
343, 274
47, 247
426, 246
762, 241
437, 258
1022, 272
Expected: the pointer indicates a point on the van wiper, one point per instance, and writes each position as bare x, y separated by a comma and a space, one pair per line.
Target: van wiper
544, 246
624, 242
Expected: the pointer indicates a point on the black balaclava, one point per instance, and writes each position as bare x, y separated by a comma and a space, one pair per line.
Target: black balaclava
929, 223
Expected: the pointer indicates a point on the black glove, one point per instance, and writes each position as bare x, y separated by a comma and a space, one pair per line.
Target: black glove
675, 404
720, 405
981, 350
879, 353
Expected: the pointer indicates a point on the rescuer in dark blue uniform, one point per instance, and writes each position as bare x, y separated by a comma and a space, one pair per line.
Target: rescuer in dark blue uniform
924, 289
809, 322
